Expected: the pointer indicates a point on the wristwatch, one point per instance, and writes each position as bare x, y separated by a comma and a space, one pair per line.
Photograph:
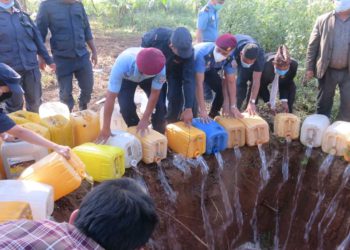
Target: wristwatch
252, 101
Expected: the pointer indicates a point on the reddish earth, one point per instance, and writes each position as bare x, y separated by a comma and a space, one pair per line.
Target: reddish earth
181, 222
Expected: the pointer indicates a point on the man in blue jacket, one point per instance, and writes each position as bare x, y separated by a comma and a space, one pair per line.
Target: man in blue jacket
176, 46
70, 31
20, 43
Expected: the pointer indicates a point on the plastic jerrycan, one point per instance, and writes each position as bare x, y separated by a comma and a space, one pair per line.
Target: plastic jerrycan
129, 143
117, 121
235, 130
336, 137
347, 152
60, 128
86, 126
216, 135
103, 162
38, 195
287, 125
154, 145
19, 155
49, 109
185, 140
63, 175
313, 129
15, 210
257, 129
23, 116
38, 129
2, 169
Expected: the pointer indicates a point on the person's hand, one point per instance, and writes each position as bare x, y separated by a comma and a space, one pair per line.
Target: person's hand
285, 107
235, 113
63, 150
308, 76
142, 127
53, 67
251, 109
103, 136
187, 116
94, 58
204, 116
7, 137
42, 63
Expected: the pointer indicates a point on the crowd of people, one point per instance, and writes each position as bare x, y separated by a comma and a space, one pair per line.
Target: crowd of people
177, 74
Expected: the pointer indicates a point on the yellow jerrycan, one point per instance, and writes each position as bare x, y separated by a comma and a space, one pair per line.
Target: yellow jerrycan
287, 125
38, 129
23, 116
154, 145
63, 175
15, 210
257, 129
336, 137
235, 129
185, 140
86, 126
103, 162
60, 129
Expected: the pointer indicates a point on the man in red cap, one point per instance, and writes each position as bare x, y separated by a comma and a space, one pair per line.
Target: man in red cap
144, 67
213, 64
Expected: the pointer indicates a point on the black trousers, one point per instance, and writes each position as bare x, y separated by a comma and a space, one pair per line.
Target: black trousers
214, 81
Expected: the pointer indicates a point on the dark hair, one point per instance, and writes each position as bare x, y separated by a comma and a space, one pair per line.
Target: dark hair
117, 214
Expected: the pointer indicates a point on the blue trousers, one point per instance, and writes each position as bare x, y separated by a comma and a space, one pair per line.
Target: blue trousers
81, 68
31, 84
128, 107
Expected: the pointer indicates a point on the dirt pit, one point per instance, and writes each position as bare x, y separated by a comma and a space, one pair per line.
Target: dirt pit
181, 223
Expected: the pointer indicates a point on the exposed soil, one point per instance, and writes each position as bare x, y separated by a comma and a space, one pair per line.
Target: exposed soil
172, 235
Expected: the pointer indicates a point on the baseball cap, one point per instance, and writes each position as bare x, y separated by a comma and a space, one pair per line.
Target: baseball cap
181, 39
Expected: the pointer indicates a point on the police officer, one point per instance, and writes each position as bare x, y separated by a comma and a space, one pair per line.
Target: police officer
250, 59
144, 67
20, 43
213, 64
279, 71
70, 30
176, 45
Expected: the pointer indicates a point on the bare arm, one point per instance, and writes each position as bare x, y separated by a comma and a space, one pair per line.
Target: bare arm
199, 36
107, 115
92, 47
200, 96
251, 108
231, 89
151, 104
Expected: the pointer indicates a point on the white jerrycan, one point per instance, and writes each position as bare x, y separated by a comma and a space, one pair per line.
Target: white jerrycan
313, 129
117, 121
54, 108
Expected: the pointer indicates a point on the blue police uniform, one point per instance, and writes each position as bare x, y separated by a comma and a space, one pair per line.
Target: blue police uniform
213, 72
124, 79
20, 43
208, 23
179, 73
246, 74
70, 30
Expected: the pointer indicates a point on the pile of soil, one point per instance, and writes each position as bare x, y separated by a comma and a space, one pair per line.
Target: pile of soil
182, 221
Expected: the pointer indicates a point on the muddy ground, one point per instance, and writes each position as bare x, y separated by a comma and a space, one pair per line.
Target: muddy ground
181, 224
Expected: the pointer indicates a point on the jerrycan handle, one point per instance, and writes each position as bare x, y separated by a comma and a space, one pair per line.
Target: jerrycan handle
310, 136
258, 135
333, 148
288, 128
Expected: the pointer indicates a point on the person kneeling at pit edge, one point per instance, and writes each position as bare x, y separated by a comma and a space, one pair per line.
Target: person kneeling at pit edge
115, 215
10, 84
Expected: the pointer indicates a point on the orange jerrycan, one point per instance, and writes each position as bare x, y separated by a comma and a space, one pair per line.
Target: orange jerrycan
336, 137
287, 125
15, 210
257, 129
347, 153
103, 162
154, 145
38, 129
185, 140
22, 116
86, 126
63, 175
235, 129
60, 129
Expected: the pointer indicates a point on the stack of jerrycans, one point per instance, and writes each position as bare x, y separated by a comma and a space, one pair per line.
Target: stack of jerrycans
154, 145
257, 129
287, 125
313, 129
63, 175
235, 130
103, 162
86, 126
336, 137
185, 140
216, 135
130, 144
